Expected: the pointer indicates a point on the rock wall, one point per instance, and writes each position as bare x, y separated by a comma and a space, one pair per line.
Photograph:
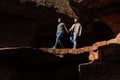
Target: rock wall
104, 10
33, 23
32, 17
34, 64
105, 68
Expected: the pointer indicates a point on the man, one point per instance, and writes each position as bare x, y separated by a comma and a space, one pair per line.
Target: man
61, 29
75, 32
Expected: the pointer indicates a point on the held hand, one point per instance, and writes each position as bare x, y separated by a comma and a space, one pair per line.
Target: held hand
79, 34
68, 32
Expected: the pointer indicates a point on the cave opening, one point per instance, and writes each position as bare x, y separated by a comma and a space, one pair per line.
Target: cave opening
94, 32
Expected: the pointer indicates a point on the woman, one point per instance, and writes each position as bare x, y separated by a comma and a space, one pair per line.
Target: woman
61, 29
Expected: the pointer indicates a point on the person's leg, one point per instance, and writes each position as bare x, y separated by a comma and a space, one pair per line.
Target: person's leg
74, 40
59, 36
61, 44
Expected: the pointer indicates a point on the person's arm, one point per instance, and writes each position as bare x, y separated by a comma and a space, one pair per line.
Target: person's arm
80, 30
71, 28
65, 28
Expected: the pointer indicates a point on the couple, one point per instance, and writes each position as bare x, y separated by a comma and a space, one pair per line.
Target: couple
75, 31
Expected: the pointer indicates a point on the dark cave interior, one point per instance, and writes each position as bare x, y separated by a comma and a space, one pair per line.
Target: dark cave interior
27, 25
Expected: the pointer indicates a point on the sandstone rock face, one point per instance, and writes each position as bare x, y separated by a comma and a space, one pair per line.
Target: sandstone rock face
85, 9
34, 64
105, 10
61, 6
99, 18
33, 23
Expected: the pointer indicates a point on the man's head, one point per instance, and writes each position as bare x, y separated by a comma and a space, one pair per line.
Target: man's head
59, 20
75, 20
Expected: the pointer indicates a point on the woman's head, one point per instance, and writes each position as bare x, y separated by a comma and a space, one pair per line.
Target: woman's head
59, 20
